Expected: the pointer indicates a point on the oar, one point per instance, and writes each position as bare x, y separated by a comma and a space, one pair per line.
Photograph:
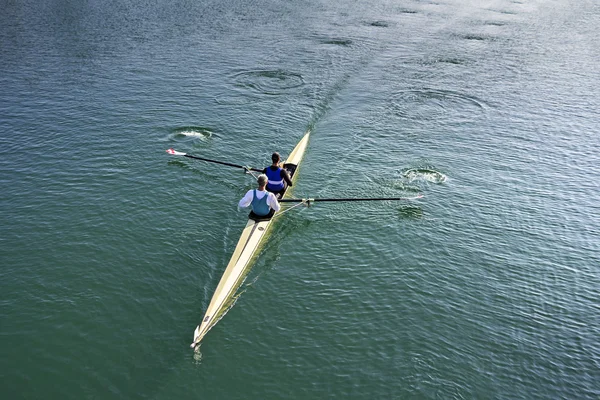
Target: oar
348, 199
179, 153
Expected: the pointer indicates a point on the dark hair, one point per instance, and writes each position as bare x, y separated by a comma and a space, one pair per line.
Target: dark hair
275, 157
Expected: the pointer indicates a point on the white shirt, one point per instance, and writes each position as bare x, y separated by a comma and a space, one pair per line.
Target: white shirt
271, 200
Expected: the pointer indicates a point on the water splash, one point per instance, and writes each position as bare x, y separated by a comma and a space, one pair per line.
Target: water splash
198, 132
424, 174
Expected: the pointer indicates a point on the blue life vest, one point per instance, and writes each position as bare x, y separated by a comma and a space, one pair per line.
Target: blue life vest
275, 183
260, 206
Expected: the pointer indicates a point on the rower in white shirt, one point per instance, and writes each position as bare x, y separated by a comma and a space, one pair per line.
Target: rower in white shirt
264, 204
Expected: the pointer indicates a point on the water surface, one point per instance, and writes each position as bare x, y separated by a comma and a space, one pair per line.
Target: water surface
110, 249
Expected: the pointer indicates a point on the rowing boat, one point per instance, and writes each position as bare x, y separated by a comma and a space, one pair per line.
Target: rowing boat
252, 236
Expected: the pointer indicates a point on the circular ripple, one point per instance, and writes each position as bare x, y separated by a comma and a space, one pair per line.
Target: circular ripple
379, 24
230, 99
270, 82
336, 41
435, 61
431, 104
494, 23
478, 37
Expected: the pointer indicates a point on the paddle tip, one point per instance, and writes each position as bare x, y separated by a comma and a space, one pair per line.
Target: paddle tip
175, 153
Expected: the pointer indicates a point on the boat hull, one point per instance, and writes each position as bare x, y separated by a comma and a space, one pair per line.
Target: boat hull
239, 265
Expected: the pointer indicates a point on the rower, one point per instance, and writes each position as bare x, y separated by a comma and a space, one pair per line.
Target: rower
264, 204
279, 178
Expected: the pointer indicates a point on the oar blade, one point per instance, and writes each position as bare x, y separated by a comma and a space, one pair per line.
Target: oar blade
175, 153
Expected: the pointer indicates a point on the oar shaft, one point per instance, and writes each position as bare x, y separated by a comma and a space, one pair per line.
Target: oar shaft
362, 199
348, 199
222, 163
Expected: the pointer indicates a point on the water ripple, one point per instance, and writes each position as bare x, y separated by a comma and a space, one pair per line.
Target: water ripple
437, 104
268, 81
336, 41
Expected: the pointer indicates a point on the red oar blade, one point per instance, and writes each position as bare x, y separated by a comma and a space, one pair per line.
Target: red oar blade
175, 153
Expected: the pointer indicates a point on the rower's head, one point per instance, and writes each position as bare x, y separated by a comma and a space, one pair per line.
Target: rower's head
262, 181
276, 158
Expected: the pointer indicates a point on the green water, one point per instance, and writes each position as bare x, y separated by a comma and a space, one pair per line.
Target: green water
110, 249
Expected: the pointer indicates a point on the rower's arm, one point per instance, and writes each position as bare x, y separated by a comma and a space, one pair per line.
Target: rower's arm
272, 202
246, 200
286, 177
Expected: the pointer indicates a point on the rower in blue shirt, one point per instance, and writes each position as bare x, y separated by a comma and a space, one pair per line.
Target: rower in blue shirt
278, 177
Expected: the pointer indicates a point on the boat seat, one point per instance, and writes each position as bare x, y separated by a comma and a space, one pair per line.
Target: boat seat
259, 218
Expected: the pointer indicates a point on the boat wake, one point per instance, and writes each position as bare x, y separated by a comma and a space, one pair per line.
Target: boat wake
197, 354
